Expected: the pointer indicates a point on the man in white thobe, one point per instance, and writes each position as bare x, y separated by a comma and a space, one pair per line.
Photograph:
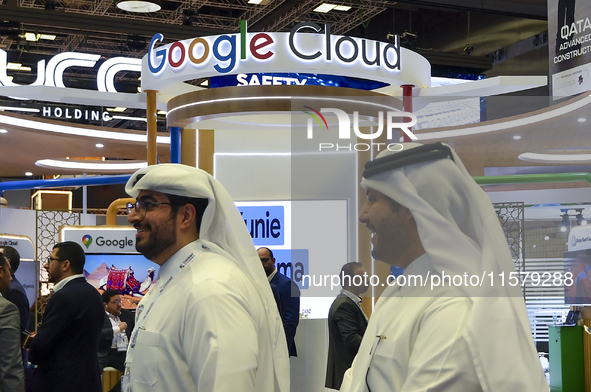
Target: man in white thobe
428, 216
210, 323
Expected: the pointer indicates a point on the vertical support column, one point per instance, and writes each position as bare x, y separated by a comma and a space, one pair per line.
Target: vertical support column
407, 104
206, 149
175, 145
152, 126
84, 197
378, 268
189, 147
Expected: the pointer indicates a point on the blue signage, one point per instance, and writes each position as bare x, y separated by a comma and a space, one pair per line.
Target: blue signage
293, 263
265, 224
300, 79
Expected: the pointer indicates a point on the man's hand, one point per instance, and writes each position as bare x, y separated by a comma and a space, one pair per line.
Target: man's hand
122, 326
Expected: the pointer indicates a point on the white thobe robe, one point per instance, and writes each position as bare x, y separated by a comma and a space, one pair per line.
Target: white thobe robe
206, 332
421, 344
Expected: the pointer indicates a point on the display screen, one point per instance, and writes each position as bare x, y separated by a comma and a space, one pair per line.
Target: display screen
579, 264
130, 274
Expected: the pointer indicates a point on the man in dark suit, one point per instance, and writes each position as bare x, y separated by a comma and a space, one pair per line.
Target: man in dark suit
115, 334
12, 376
346, 324
17, 294
66, 344
289, 298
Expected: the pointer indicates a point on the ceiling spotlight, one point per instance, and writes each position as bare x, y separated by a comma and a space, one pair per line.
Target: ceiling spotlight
3, 131
516, 137
28, 174
31, 37
565, 224
547, 237
582, 120
324, 7
100, 145
141, 6
468, 49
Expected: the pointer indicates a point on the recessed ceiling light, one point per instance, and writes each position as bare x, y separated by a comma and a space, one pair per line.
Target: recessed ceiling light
3, 131
582, 120
139, 5
89, 165
516, 137
342, 8
13, 66
31, 37
71, 130
16, 109
129, 118
324, 7
557, 158
100, 145
117, 109
28, 174
547, 237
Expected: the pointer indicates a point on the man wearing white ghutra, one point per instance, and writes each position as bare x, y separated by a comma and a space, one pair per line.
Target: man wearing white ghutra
428, 216
211, 322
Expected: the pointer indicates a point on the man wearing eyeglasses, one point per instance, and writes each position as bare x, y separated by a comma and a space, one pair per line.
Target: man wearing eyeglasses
66, 344
428, 216
210, 323
115, 334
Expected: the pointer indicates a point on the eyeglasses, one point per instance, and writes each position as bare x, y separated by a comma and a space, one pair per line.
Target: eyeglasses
116, 302
53, 258
141, 206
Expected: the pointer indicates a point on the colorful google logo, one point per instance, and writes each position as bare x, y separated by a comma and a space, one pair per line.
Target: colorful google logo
226, 50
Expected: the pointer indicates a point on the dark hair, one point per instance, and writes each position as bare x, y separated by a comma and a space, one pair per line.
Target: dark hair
70, 250
108, 294
350, 268
3, 261
269, 250
199, 203
12, 255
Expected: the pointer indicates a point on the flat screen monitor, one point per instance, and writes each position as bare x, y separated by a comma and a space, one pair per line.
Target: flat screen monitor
579, 264
130, 274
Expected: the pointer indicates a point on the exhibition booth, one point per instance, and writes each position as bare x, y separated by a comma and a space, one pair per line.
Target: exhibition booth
286, 123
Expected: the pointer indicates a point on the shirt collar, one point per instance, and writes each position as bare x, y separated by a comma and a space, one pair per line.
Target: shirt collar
353, 297
112, 315
172, 264
270, 277
60, 285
